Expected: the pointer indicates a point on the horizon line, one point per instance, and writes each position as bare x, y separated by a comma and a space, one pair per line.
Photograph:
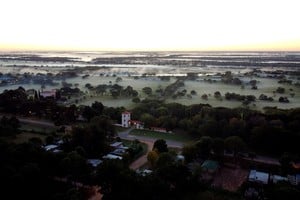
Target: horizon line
138, 50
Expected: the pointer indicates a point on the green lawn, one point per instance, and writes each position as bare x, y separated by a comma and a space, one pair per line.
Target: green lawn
24, 137
37, 129
159, 135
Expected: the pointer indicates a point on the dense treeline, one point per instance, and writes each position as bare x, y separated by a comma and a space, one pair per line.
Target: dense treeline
9, 126
27, 172
16, 102
273, 132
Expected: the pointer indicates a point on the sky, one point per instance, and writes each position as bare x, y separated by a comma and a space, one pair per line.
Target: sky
204, 25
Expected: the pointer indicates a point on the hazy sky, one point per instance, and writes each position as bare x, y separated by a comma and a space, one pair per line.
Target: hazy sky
150, 25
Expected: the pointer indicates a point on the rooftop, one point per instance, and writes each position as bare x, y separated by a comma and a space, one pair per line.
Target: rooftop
111, 156
210, 165
94, 162
257, 176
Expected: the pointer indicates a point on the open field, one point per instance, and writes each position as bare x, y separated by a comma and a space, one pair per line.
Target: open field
141, 69
25, 136
265, 86
37, 129
159, 135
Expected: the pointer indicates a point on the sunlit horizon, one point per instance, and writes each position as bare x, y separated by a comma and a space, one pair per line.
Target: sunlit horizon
134, 25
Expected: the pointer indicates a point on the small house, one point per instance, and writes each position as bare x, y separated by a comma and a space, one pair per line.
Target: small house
112, 157
116, 145
136, 124
48, 94
94, 162
259, 177
31, 94
210, 166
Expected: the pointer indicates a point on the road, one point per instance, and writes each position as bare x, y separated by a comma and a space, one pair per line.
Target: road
143, 159
34, 121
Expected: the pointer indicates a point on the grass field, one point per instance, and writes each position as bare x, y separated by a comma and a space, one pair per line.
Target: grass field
37, 129
24, 137
265, 86
159, 135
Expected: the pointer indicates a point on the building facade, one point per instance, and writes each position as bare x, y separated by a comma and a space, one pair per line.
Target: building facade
125, 119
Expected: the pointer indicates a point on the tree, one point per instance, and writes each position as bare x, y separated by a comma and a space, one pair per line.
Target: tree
74, 164
136, 100
97, 107
118, 79
88, 113
204, 96
93, 137
280, 90
218, 146
147, 90
165, 159
204, 146
193, 92
189, 152
148, 120
235, 144
217, 95
285, 162
152, 157
160, 145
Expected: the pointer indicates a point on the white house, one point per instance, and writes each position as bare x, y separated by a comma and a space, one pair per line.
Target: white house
256, 176
126, 118
136, 124
48, 94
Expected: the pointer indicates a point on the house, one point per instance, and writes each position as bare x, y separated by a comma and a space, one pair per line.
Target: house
126, 117
112, 157
277, 178
94, 162
51, 147
210, 166
294, 179
118, 152
144, 172
137, 124
259, 177
31, 94
180, 159
116, 145
48, 94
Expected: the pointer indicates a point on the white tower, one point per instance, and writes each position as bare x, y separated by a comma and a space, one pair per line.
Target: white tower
125, 118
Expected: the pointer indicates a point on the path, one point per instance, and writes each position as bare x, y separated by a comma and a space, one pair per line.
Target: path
147, 140
143, 159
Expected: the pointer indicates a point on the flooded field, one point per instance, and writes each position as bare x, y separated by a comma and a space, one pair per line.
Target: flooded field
158, 70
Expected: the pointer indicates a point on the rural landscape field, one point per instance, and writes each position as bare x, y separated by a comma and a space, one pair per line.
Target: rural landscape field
150, 100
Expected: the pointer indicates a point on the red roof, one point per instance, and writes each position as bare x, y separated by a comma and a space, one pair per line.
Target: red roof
135, 121
126, 112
